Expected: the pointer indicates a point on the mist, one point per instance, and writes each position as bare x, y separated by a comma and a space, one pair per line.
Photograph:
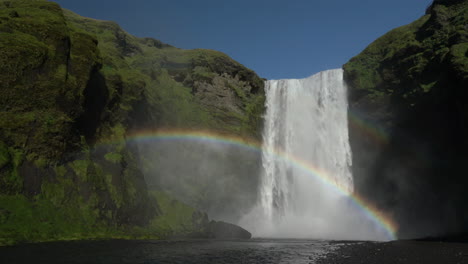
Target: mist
299, 185
218, 178
417, 174
306, 182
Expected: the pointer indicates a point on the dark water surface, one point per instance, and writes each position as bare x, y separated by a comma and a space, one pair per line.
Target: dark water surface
177, 251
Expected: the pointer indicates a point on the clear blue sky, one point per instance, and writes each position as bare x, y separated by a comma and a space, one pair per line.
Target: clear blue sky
277, 39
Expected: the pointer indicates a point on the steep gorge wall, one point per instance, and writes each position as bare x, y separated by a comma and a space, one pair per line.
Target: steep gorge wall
73, 89
409, 121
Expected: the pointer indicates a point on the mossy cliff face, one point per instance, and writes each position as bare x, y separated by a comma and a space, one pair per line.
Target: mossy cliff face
185, 90
72, 90
53, 183
409, 121
175, 88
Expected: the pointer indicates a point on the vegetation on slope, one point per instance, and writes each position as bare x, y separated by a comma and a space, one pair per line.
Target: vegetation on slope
186, 90
72, 89
411, 83
409, 62
174, 84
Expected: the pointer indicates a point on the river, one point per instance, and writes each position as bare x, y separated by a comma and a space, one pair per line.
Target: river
170, 251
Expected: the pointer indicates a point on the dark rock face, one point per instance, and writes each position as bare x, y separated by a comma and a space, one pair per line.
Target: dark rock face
223, 230
409, 121
442, 2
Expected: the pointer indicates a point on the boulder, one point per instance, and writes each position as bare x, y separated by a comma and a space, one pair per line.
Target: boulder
223, 230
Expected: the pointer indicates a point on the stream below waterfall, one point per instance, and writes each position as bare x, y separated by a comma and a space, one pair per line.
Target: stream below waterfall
263, 251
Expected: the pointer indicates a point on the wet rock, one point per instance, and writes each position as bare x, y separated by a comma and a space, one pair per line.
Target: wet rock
220, 229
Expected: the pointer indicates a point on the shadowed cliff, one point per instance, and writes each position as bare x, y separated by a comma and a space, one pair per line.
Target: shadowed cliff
409, 121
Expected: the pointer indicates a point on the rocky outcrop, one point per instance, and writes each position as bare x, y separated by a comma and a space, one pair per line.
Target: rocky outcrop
72, 90
409, 121
223, 230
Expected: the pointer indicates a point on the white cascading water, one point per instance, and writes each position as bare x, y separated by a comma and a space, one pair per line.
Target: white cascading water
306, 160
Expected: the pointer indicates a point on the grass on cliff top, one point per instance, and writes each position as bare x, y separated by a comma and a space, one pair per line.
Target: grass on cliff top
410, 54
165, 73
364, 68
142, 53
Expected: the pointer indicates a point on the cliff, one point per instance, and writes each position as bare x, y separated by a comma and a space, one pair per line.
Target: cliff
409, 121
73, 89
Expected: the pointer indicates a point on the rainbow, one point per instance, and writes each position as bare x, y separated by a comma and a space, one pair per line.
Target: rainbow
371, 212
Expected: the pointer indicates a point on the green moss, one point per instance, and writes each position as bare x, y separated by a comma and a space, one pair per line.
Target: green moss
10, 181
116, 196
174, 105
41, 162
59, 213
175, 217
43, 220
237, 90
4, 155
254, 121
427, 87
60, 171
113, 157
56, 192
459, 54
80, 167
412, 60
363, 70
10, 159
19, 45
130, 189
163, 75
200, 73
51, 59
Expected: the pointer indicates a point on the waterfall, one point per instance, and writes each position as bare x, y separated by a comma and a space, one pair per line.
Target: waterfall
306, 162
305, 118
